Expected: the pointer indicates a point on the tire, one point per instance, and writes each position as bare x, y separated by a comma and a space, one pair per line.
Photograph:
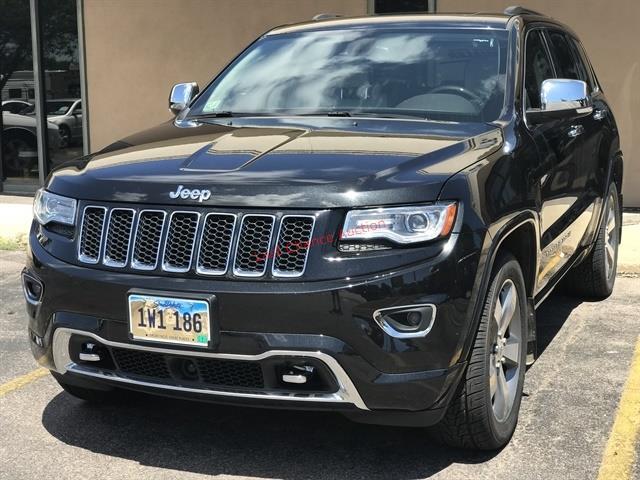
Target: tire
89, 395
480, 417
12, 150
595, 276
65, 136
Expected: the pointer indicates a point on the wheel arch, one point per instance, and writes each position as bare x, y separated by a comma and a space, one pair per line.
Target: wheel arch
520, 237
20, 133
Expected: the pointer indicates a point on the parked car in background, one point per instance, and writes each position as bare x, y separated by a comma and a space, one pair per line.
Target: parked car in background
19, 142
15, 106
67, 114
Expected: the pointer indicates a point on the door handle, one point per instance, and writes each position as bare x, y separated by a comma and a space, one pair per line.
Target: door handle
576, 130
599, 114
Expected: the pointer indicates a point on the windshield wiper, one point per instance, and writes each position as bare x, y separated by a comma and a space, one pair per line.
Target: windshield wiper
221, 114
327, 113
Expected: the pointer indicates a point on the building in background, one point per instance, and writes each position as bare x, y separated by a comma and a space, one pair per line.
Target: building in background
134, 51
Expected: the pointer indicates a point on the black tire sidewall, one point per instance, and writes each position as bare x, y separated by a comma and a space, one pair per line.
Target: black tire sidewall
602, 236
65, 143
509, 269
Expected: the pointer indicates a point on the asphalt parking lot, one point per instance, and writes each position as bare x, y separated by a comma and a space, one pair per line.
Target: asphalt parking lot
571, 397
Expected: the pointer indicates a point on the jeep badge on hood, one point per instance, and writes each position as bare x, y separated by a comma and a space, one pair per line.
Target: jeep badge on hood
194, 193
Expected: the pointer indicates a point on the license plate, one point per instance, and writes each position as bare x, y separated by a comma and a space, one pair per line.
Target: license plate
170, 320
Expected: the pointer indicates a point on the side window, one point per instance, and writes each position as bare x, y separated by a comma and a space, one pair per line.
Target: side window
592, 81
566, 57
537, 68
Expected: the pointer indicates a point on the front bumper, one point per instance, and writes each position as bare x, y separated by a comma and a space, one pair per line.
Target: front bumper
330, 323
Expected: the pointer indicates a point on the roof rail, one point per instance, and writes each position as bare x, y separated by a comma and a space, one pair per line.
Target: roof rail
325, 16
518, 10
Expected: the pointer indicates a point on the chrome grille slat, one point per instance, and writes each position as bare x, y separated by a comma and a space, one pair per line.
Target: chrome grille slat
293, 244
118, 237
180, 241
146, 246
214, 250
253, 244
91, 233
196, 241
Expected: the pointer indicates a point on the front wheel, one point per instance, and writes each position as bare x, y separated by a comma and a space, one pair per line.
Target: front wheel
65, 136
484, 413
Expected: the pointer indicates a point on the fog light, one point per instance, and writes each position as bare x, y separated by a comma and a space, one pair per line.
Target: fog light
407, 321
32, 289
298, 374
189, 370
89, 352
414, 318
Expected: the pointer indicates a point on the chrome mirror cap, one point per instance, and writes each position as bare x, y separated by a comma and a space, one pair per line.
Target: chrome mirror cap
564, 94
181, 95
561, 98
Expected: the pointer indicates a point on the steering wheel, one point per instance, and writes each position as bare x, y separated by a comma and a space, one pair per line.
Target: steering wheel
460, 91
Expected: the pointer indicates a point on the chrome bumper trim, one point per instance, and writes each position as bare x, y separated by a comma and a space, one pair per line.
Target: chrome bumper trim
346, 393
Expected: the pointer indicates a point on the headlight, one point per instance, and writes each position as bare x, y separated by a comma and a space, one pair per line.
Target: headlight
49, 207
402, 225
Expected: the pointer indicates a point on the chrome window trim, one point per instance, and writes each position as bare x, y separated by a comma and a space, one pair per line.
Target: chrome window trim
141, 266
283, 274
392, 332
106, 261
211, 272
547, 51
167, 268
84, 258
240, 273
346, 393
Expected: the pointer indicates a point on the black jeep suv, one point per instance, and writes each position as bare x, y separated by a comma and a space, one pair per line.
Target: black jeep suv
359, 215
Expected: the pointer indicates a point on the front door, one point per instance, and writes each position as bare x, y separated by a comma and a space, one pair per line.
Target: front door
560, 145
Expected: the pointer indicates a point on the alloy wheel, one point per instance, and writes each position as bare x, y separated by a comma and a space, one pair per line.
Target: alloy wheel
505, 356
65, 137
18, 154
611, 238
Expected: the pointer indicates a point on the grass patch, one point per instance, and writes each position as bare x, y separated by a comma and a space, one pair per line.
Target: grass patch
19, 242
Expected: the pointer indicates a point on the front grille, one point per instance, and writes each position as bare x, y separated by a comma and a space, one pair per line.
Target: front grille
91, 234
197, 242
293, 246
181, 238
230, 373
253, 245
210, 371
136, 362
215, 244
148, 237
116, 250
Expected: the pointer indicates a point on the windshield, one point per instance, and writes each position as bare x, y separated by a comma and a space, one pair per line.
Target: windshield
54, 107
438, 74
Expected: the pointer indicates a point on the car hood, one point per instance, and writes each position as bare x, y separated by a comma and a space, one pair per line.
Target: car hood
15, 120
294, 163
26, 121
56, 118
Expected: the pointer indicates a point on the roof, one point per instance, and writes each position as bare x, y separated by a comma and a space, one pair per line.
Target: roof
498, 21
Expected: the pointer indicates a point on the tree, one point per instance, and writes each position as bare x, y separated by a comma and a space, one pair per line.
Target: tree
15, 38
59, 35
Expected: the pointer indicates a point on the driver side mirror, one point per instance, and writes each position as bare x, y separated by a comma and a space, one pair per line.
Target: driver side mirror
561, 98
181, 95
